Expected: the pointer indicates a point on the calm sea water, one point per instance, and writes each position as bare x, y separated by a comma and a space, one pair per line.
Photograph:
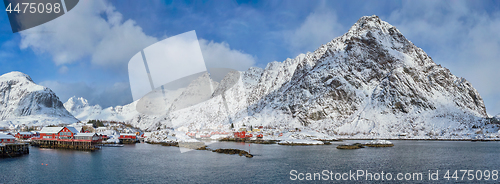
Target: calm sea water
144, 163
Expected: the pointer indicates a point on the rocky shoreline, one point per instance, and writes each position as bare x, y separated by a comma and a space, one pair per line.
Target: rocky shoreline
256, 141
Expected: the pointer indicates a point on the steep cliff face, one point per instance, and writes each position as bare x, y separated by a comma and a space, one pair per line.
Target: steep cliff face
24, 102
372, 80
369, 82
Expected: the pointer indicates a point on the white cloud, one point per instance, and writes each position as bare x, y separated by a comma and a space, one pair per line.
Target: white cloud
320, 27
459, 37
92, 29
220, 55
95, 30
63, 69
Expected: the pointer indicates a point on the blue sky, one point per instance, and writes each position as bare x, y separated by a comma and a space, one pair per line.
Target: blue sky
85, 52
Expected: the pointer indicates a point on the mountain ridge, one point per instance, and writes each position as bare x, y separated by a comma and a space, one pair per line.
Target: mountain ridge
369, 82
24, 102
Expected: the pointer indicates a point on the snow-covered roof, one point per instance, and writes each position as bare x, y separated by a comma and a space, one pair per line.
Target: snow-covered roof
73, 129
5, 136
52, 130
25, 133
129, 134
84, 134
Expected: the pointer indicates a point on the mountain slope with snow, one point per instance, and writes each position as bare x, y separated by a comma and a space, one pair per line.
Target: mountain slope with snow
373, 81
24, 102
81, 109
369, 82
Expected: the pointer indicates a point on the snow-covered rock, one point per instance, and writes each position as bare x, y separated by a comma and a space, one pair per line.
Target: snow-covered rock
379, 142
304, 138
370, 82
80, 108
24, 102
168, 135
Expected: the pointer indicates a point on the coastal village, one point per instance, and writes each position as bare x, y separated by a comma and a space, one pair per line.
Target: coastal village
94, 134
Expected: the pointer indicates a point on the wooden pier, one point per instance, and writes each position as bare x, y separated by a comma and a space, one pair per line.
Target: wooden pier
76, 145
13, 149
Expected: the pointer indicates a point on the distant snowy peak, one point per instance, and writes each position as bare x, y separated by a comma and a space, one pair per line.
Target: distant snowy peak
24, 102
74, 103
80, 108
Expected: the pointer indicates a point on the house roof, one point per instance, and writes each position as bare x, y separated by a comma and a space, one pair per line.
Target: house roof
53, 130
73, 129
129, 134
25, 133
5, 136
85, 134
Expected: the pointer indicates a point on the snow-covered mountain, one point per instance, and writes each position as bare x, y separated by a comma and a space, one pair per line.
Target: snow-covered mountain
24, 102
81, 109
373, 81
369, 82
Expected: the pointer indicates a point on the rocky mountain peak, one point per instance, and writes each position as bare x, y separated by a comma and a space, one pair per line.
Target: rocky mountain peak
15, 75
75, 103
23, 101
370, 23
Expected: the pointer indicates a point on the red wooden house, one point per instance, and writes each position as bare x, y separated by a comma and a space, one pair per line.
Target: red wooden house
239, 134
58, 133
127, 136
4, 138
24, 135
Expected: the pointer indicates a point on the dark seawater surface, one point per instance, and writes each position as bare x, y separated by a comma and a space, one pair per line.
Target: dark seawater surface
145, 163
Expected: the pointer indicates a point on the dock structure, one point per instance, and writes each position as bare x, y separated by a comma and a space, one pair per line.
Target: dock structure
66, 138
13, 149
66, 144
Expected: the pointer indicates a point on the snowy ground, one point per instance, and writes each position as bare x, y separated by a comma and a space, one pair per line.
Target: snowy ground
379, 142
168, 136
304, 137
